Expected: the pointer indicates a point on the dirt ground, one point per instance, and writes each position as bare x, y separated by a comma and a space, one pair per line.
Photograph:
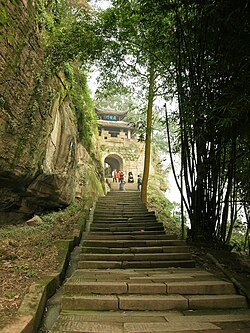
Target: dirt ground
28, 253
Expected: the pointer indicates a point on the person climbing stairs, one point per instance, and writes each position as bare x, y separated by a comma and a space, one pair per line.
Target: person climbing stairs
134, 277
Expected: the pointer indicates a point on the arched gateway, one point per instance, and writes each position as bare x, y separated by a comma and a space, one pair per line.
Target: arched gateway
112, 162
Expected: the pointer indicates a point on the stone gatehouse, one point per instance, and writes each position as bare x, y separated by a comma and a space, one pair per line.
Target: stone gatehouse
120, 147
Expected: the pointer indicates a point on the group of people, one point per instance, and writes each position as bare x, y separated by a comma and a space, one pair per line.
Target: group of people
119, 176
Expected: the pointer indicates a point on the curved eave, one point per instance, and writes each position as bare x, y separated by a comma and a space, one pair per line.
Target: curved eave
114, 124
111, 112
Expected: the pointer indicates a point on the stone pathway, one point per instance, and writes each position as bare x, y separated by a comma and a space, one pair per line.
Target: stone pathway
132, 277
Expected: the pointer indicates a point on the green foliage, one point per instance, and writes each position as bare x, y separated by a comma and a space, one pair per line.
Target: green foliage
83, 106
158, 202
115, 96
3, 15
67, 32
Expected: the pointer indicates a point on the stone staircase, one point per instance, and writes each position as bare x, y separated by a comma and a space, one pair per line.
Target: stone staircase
129, 187
132, 277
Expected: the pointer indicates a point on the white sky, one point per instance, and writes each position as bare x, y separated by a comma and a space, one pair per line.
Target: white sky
100, 4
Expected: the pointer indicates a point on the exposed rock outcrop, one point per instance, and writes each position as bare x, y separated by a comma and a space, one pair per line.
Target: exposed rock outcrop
42, 161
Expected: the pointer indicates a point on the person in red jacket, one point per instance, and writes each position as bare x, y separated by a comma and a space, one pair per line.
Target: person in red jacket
118, 175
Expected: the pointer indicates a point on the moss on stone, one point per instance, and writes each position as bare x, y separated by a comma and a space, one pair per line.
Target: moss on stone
4, 17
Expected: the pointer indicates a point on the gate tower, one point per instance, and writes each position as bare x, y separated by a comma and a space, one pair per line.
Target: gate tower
120, 147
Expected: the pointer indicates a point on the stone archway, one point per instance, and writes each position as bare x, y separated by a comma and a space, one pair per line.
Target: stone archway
111, 162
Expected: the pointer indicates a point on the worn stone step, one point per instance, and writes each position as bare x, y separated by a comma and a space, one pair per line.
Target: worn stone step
134, 256
133, 243
121, 302
129, 214
152, 302
122, 212
80, 287
153, 321
130, 234
126, 223
156, 249
201, 288
126, 206
144, 275
142, 236
126, 228
130, 220
217, 301
118, 212
117, 208
113, 219
135, 264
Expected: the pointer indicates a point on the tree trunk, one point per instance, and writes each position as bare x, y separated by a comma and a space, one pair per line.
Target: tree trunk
144, 196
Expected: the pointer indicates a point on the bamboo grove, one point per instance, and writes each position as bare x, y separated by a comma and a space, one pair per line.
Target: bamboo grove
200, 49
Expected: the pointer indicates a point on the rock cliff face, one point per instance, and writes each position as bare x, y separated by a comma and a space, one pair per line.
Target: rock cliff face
43, 165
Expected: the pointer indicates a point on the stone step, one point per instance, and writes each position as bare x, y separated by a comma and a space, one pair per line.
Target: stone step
123, 212
121, 302
122, 202
133, 217
127, 228
135, 264
164, 275
153, 321
109, 216
132, 243
127, 237
134, 256
79, 286
134, 204
118, 211
113, 219
152, 302
128, 233
125, 224
156, 249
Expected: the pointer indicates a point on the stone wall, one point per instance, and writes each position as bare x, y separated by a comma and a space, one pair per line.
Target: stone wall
130, 152
42, 162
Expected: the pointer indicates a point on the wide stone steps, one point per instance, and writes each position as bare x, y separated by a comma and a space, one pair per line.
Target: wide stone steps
151, 302
153, 321
132, 277
133, 256
136, 264
116, 208
127, 237
124, 214
121, 243
124, 221
156, 249
128, 227
129, 231
135, 219
211, 287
